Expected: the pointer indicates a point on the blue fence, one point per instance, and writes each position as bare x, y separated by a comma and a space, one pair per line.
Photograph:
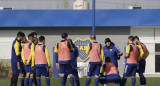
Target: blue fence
79, 18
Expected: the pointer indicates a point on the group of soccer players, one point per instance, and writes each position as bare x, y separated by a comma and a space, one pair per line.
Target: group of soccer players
31, 59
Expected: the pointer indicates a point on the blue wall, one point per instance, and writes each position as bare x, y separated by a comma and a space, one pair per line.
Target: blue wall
78, 18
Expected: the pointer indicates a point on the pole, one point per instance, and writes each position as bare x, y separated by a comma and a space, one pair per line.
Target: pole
93, 17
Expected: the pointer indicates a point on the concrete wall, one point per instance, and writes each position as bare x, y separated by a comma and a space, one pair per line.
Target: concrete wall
117, 34
68, 4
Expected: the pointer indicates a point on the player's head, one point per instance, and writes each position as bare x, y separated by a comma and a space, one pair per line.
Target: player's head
93, 37
64, 35
34, 34
30, 37
130, 39
20, 36
107, 60
24, 40
42, 39
35, 40
70, 40
107, 42
136, 39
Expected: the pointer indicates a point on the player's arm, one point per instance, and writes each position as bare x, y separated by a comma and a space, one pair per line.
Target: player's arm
127, 52
70, 46
56, 53
31, 54
22, 55
47, 56
76, 52
16, 47
33, 57
102, 69
88, 49
147, 54
102, 54
141, 52
119, 53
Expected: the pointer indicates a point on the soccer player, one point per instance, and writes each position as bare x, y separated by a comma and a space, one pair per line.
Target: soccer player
27, 53
110, 50
132, 56
41, 61
142, 62
74, 56
111, 73
96, 55
16, 57
22, 68
35, 41
34, 34
63, 58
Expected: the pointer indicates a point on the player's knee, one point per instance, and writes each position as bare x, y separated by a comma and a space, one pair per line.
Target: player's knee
141, 75
96, 76
27, 75
71, 75
61, 75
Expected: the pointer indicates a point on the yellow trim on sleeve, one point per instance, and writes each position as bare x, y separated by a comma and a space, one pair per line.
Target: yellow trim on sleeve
16, 47
141, 50
88, 49
55, 49
22, 55
102, 55
47, 56
147, 54
127, 49
71, 47
102, 69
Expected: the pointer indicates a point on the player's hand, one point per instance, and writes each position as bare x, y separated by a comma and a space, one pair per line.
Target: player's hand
26, 63
118, 57
57, 65
33, 67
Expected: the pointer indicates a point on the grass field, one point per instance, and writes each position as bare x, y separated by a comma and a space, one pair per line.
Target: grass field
56, 82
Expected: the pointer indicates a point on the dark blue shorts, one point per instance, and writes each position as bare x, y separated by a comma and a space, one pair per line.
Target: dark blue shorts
29, 69
113, 78
130, 70
15, 68
141, 66
22, 68
65, 68
94, 69
44, 71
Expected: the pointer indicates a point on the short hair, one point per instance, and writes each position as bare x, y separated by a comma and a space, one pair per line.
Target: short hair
20, 34
30, 35
70, 40
34, 33
93, 37
136, 37
131, 38
107, 59
64, 35
107, 40
41, 38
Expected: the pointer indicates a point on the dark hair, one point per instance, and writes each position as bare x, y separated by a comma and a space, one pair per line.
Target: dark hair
107, 40
93, 37
20, 34
34, 33
131, 38
70, 40
107, 59
136, 37
64, 35
30, 35
41, 38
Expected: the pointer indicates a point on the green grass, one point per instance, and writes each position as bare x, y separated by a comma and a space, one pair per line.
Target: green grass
56, 82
